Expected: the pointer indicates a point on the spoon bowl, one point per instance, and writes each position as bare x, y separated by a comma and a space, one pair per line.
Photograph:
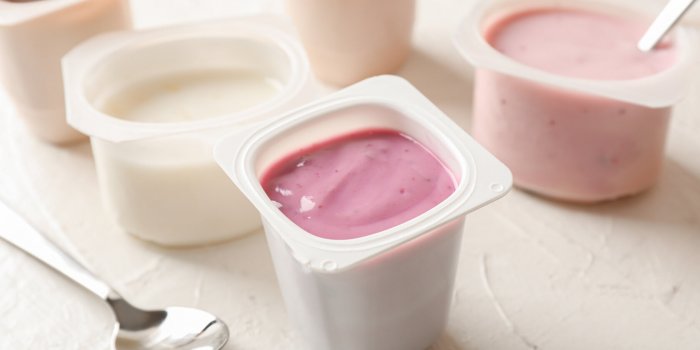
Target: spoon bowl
172, 328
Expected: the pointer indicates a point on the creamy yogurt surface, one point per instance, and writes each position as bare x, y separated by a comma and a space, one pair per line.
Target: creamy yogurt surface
192, 95
358, 184
169, 190
579, 44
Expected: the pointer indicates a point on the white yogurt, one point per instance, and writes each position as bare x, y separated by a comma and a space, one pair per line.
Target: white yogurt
171, 192
155, 102
191, 96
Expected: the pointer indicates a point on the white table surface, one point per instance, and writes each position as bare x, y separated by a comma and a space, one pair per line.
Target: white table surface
533, 274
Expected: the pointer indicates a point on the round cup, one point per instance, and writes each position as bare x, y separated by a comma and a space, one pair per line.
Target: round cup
348, 41
159, 178
573, 139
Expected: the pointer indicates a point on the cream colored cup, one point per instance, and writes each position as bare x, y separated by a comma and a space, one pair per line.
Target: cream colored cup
573, 139
348, 41
34, 36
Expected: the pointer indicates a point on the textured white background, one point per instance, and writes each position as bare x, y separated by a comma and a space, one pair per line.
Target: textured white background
534, 274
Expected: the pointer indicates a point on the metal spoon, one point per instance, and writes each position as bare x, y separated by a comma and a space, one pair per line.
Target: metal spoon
667, 18
172, 328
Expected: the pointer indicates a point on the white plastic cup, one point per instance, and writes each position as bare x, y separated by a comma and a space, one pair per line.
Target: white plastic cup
348, 41
390, 290
34, 35
573, 139
159, 179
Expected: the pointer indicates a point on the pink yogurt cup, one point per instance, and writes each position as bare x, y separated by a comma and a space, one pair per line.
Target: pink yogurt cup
574, 139
390, 290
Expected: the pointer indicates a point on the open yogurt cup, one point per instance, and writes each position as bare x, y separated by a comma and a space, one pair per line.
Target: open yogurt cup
34, 36
154, 102
571, 138
387, 290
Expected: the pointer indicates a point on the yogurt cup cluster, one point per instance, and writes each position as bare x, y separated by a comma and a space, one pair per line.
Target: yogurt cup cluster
195, 129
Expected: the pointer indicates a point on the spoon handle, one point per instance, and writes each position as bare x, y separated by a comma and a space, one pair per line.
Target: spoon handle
667, 18
16, 230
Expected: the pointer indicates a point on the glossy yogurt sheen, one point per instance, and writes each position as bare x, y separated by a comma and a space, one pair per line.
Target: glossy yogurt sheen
358, 184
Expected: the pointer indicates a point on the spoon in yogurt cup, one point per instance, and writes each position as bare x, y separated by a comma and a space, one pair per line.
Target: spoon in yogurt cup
172, 328
666, 19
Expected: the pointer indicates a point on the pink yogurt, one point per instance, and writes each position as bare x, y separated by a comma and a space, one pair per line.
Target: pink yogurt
562, 143
358, 184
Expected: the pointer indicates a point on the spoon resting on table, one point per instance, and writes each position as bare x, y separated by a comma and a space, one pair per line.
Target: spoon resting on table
172, 328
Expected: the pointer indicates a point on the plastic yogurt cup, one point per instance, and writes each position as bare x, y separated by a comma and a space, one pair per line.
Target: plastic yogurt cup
34, 35
154, 102
391, 289
582, 136
348, 41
